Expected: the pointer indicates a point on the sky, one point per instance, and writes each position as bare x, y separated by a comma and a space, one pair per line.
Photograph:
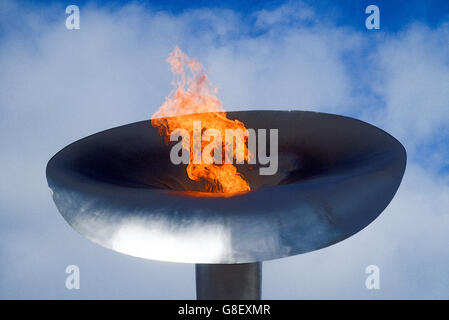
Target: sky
59, 85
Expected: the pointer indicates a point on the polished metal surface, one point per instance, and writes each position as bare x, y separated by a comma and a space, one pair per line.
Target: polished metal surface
336, 175
228, 281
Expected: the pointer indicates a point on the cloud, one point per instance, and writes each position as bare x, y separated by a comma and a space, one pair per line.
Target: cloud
409, 79
60, 85
407, 242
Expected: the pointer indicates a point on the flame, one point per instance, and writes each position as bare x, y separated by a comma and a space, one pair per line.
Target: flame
191, 97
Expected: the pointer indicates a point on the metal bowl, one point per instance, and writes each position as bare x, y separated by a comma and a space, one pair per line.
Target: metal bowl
336, 174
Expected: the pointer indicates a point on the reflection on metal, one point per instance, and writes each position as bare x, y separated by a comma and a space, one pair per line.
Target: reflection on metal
336, 175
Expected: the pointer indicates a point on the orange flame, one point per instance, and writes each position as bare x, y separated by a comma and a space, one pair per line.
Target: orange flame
192, 96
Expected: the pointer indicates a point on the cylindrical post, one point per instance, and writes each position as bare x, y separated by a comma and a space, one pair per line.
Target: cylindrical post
228, 281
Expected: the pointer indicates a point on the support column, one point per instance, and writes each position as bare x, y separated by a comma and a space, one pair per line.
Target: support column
228, 281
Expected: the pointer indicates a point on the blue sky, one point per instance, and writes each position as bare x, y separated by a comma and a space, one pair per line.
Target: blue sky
396, 14
58, 86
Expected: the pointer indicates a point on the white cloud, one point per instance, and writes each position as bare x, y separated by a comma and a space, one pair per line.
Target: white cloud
292, 12
414, 81
59, 85
408, 243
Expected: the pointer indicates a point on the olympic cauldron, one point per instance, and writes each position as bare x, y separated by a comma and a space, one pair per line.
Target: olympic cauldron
335, 175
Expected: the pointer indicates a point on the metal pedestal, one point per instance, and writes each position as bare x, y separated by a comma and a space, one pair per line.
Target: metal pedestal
228, 281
